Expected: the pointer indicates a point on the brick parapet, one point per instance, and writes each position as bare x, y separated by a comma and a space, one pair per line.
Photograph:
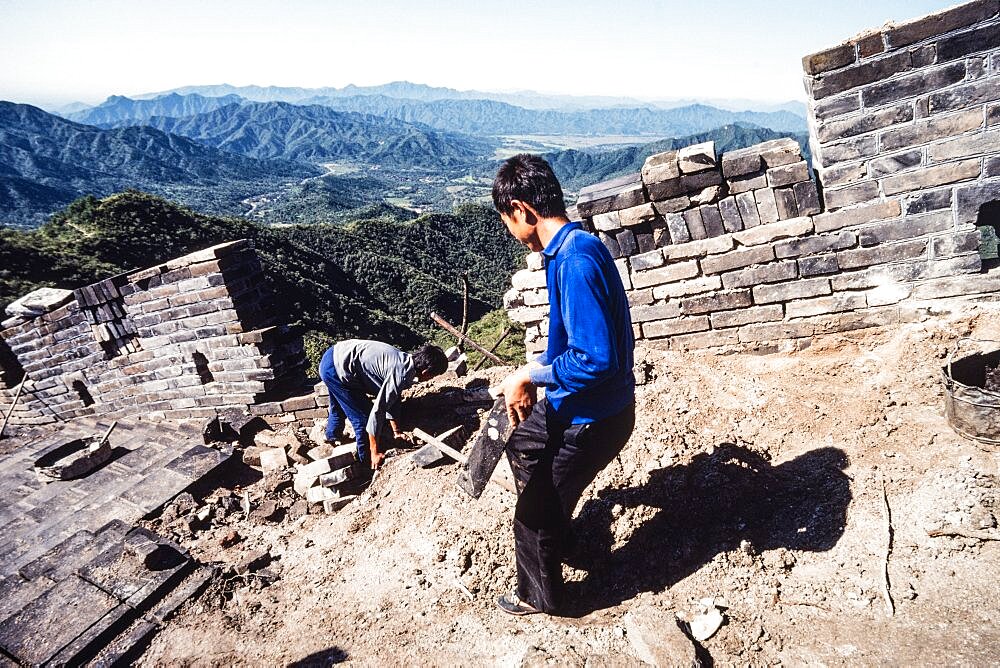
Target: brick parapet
746, 249
178, 340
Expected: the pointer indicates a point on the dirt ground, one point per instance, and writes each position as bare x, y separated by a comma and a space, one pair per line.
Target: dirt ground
755, 480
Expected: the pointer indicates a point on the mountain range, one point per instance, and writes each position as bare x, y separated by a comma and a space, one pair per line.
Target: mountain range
312, 133
47, 161
481, 117
527, 99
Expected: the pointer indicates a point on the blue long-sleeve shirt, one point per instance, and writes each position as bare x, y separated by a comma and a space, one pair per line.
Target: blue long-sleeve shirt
587, 366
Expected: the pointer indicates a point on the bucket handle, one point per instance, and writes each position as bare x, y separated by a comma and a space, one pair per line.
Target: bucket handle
958, 344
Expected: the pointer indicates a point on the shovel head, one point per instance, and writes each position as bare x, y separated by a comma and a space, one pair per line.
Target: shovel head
486, 451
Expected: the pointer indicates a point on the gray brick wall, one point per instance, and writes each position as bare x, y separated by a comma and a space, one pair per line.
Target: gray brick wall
180, 340
747, 248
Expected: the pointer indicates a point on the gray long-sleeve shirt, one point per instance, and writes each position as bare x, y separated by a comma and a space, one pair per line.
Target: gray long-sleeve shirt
379, 370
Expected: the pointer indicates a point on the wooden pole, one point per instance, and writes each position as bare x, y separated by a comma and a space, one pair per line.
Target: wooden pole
10, 411
448, 327
493, 348
457, 456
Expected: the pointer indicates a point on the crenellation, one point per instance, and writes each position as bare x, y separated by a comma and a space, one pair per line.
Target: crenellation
748, 248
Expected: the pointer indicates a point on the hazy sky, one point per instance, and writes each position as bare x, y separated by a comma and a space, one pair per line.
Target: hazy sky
58, 51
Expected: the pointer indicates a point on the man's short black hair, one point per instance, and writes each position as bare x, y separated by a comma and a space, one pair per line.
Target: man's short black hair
528, 178
430, 358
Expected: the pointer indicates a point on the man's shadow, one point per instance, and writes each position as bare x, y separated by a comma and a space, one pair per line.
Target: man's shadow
705, 507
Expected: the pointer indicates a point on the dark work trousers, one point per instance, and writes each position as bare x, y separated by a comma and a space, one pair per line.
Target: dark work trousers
345, 401
553, 462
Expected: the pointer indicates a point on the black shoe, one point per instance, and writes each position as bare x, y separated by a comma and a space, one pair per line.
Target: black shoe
513, 605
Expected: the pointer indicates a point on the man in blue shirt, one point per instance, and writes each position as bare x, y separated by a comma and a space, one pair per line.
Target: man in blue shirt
587, 416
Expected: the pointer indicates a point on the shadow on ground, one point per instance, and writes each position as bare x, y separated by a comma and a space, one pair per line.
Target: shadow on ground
321, 659
703, 508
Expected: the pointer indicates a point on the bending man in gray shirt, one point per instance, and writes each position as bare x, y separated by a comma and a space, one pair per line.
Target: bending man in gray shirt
355, 370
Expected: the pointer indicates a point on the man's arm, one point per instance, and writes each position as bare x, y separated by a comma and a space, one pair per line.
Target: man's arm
387, 397
591, 355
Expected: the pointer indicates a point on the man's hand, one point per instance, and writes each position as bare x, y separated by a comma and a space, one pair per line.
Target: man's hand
377, 458
519, 395
404, 437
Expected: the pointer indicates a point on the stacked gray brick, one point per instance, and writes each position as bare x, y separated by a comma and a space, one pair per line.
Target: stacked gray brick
181, 340
744, 249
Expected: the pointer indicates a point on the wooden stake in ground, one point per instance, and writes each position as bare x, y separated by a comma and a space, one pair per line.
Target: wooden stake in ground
890, 608
10, 411
493, 348
448, 327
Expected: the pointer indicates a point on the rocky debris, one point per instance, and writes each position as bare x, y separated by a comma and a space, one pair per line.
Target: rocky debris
957, 498
657, 639
992, 382
706, 620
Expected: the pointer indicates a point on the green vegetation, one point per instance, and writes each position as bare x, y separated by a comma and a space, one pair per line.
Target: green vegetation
372, 278
486, 331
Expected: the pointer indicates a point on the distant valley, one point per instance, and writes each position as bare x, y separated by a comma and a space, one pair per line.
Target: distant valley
261, 151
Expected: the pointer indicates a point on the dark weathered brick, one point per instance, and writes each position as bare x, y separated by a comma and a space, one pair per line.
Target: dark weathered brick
766, 273
784, 198
818, 265
741, 162
695, 225
992, 167
701, 180
993, 115
962, 16
923, 56
865, 257
747, 206
973, 41
619, 193
867, 122
836, 106
932, 176
929, 130
627, 243
848, 150
843, 174
829, 59
664, 190
678, 228
673, 205
891, 164
971, 197
911, 85
856, 194
862, 74
871, 45
956, 244
645, 241
611, 244
908, 228
711, 217
660, 167
752, 181
822, 243
961, 97
719, 301
786, 175
806, 198
928, 201
731, 219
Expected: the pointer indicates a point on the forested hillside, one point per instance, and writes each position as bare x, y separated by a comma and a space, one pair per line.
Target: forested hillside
374, 278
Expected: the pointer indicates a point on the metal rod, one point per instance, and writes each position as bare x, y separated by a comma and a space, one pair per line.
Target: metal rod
10, 411
493, 348
448, 327
457, 456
